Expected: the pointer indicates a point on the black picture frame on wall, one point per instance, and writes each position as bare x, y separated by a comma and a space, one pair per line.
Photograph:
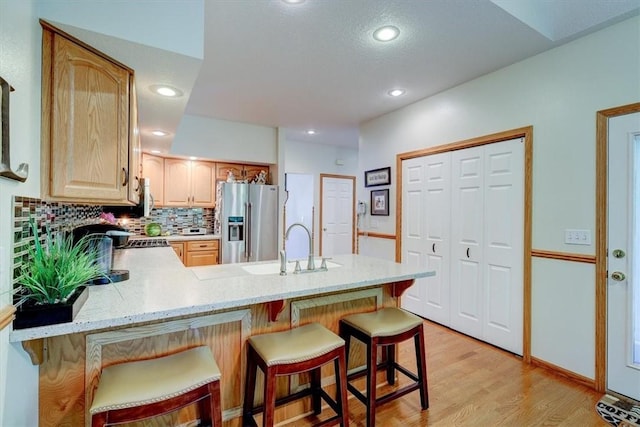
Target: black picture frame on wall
380, 202
375, 177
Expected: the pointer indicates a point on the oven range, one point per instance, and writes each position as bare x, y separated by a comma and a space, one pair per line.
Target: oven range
146, 243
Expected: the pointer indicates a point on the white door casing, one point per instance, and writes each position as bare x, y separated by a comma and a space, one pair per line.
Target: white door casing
623, 372
337, 215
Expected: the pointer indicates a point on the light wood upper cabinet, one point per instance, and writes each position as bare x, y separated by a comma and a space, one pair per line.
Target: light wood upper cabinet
189, 183
223, 169
240, 171
153, 169
135, 147
86, 123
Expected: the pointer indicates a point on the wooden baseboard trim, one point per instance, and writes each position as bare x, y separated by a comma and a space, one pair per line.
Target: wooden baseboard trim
7, 314
377, 235
591, 383
563, 256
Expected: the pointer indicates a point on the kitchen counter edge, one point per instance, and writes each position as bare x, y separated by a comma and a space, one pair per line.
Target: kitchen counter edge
161, 288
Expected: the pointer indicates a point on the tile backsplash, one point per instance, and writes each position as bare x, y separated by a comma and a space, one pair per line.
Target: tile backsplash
172, 220
57, 217
63, 217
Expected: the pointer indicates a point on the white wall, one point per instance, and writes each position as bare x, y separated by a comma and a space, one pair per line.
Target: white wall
314, 159
173, 25
225, 140
558, 92
20, 39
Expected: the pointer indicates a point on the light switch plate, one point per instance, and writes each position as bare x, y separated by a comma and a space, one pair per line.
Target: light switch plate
577, 237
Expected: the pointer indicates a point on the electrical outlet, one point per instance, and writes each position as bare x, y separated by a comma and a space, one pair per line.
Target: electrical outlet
577, 237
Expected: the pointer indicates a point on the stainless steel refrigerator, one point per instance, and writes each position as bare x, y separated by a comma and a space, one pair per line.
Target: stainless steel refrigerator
248, 222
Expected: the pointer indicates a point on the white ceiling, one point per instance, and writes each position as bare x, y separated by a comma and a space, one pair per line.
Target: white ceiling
316, 65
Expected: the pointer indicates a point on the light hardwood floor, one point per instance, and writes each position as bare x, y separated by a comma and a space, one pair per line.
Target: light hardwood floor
475, 384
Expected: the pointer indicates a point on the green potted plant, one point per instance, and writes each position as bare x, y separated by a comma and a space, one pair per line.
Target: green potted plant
52, 279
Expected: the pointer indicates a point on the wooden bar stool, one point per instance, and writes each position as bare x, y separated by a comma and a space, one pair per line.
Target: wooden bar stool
306, 348
386, 327
137, 390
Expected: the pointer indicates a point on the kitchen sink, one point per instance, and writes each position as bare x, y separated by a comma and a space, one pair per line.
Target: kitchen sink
274, 267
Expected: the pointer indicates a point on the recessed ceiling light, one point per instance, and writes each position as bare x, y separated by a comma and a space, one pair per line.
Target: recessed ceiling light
396, 92
386, 33
293, 1
159, 133
311, 132
156, 151
193, 158
165, 90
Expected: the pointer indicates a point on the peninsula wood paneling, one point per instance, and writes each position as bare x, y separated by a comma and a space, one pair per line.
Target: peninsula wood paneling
70, 362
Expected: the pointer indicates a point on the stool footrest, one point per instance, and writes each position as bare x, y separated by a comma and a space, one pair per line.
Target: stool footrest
381, 366
296, 396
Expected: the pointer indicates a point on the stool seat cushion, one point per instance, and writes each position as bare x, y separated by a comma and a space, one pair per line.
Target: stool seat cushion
296, 345
384, 322
138, 383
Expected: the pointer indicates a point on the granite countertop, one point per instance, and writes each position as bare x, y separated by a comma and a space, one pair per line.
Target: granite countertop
161, 287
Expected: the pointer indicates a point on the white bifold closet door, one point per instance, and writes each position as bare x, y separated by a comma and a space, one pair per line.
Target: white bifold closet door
463, 217
487, 231
426, 211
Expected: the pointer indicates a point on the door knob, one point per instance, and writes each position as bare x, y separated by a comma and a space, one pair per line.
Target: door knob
618, 276
618, 253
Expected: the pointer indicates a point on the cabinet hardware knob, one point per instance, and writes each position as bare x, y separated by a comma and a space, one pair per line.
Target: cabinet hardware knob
433, 248
467, 252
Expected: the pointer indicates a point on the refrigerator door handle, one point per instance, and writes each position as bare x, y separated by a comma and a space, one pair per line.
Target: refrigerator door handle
247, 221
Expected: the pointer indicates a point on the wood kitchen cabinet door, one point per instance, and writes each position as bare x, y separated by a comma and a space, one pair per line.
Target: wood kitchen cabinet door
177, 182
223, 169
252, 171
85, 123
241, 172
201, 252
203, 191
135, 147
153, 169
189, 183
178, 248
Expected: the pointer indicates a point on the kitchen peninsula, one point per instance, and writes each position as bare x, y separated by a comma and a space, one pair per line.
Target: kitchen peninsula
165, 307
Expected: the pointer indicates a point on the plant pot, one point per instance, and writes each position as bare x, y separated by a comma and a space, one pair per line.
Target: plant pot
29, 314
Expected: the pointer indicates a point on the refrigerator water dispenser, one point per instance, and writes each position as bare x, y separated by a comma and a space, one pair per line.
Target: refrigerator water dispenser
236, 226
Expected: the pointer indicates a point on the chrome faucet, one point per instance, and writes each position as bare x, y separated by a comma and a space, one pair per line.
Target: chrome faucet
283, 263
310, 263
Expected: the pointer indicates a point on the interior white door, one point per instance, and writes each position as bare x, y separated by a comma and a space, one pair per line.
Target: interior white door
337, 216
466, 239
623, 290
426, 233
503, 242
437, 220
413, 235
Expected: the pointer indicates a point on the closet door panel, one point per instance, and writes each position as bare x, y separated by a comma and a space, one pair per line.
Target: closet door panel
503, 248
413, 236
437, 219
466, 232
